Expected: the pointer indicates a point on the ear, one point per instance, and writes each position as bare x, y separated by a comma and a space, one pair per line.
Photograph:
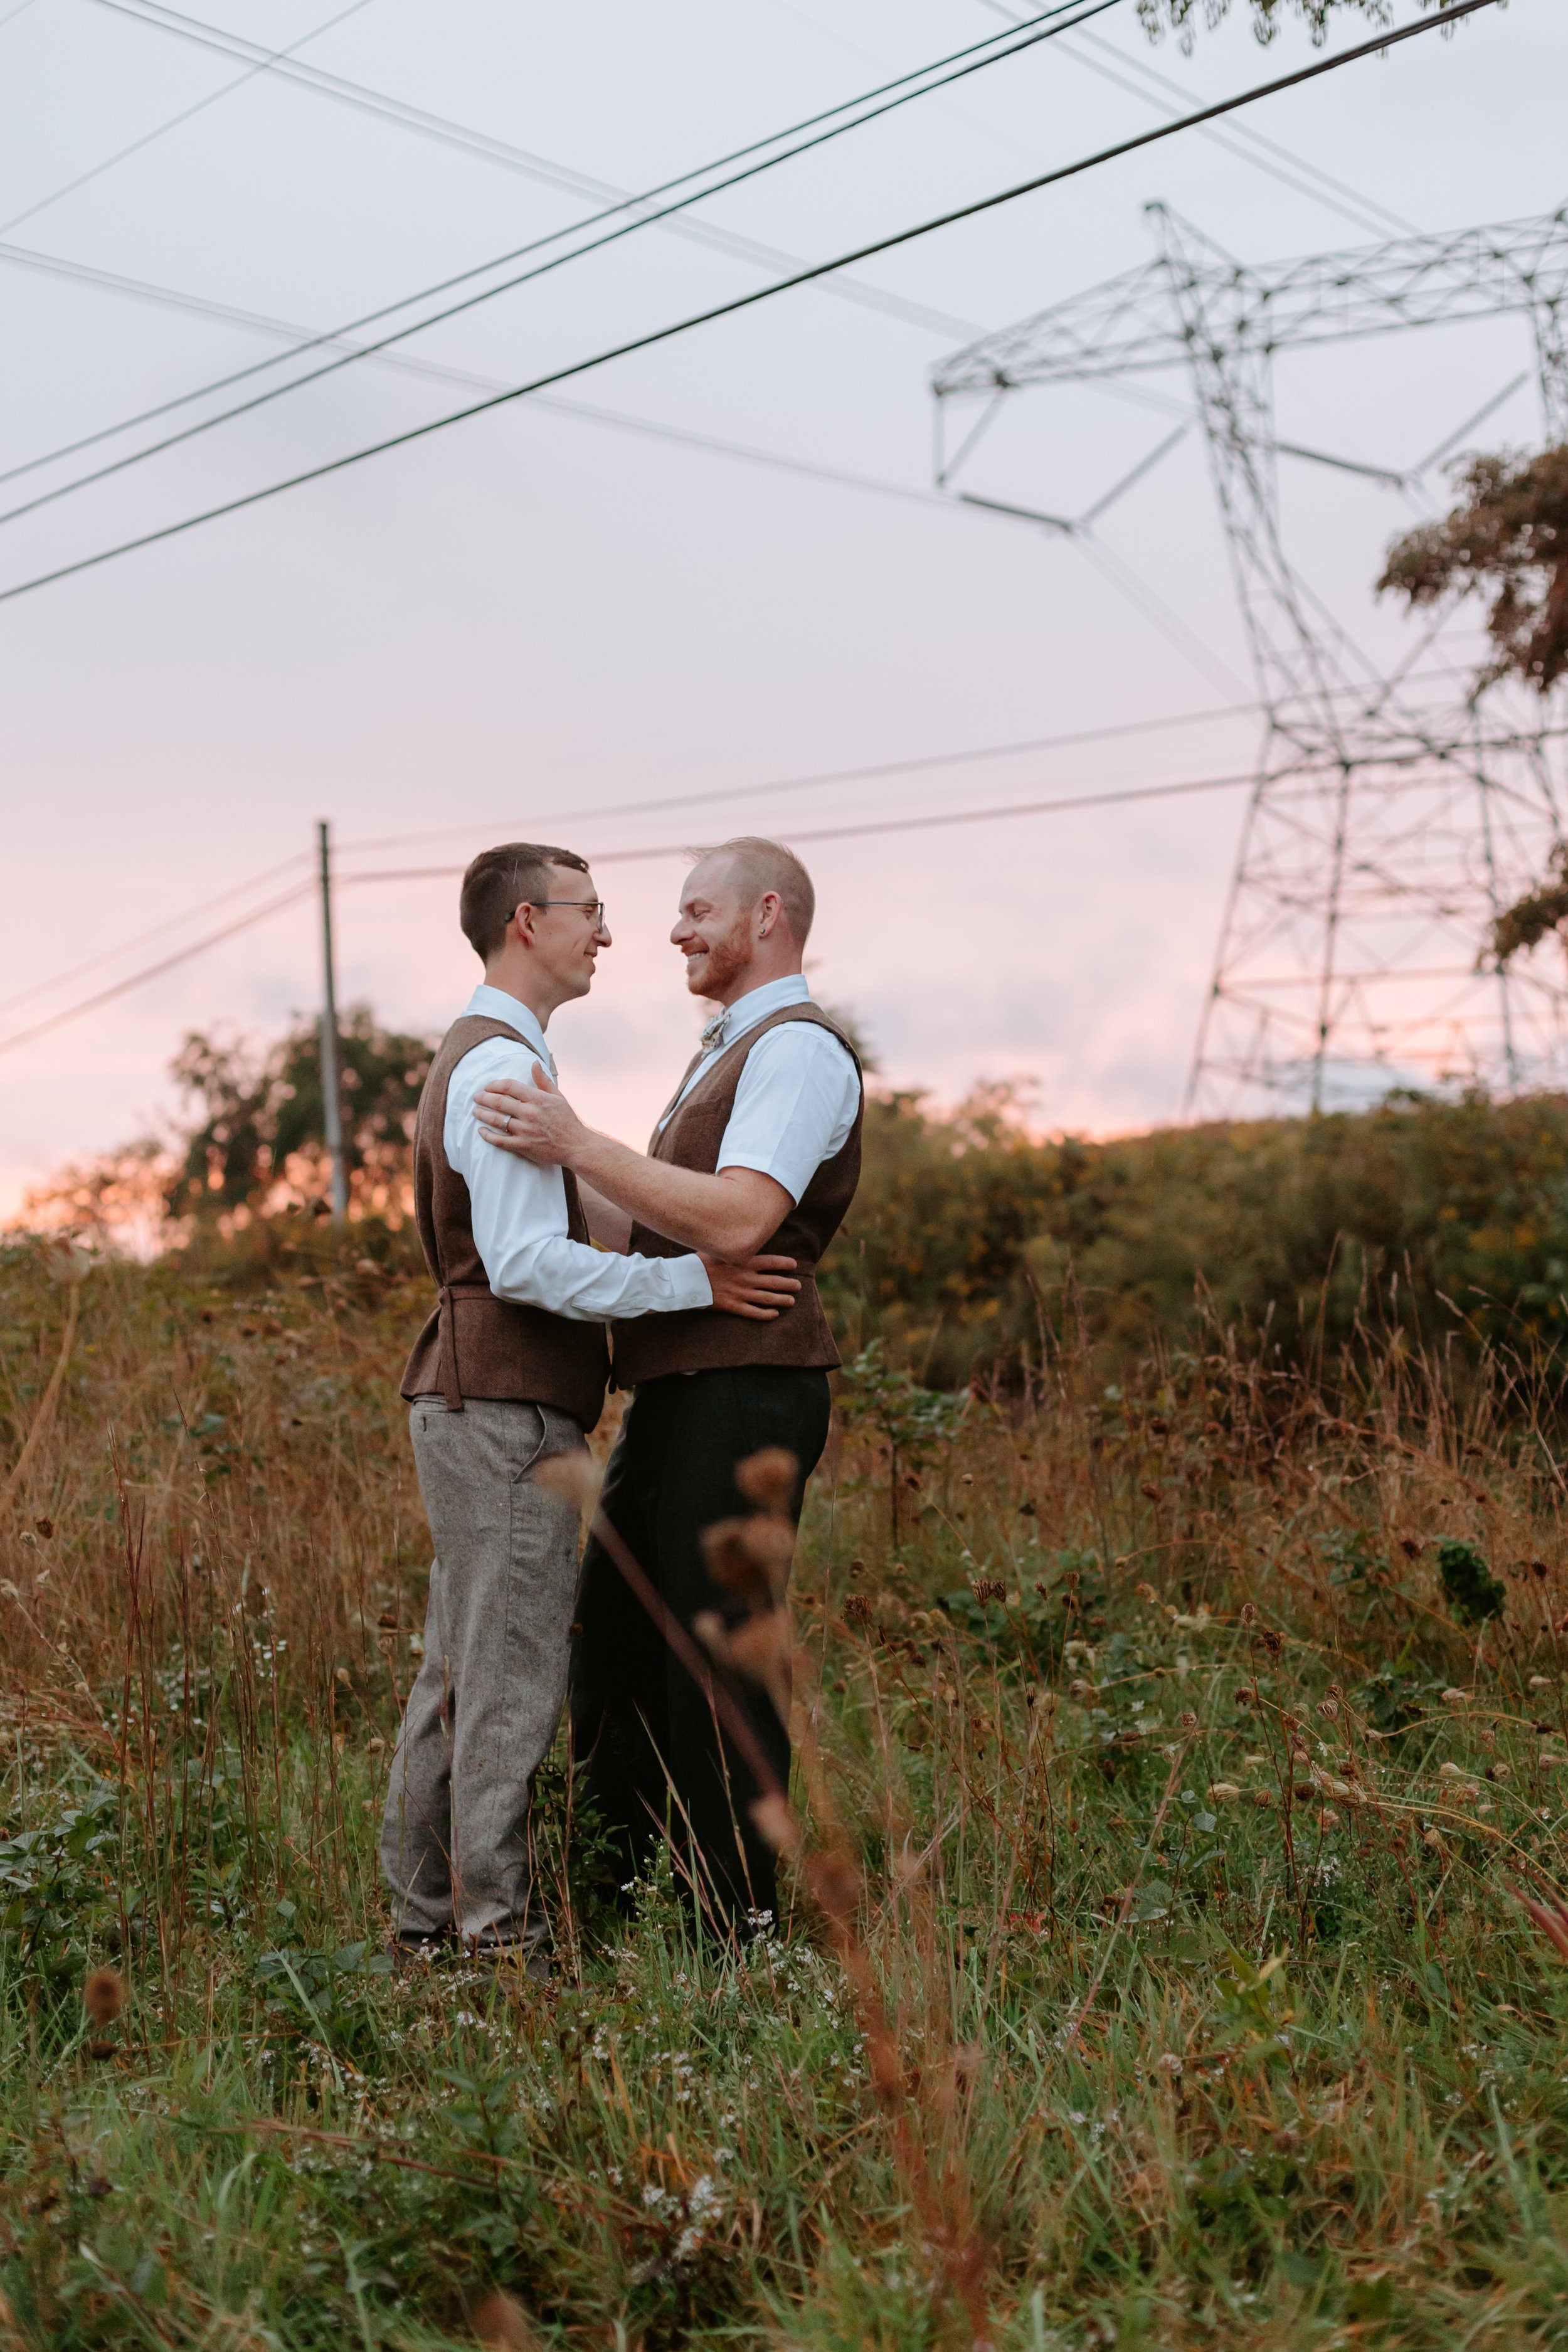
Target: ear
522, 928
770, 907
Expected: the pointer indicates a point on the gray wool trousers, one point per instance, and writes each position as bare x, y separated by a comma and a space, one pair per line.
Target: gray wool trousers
455, 1843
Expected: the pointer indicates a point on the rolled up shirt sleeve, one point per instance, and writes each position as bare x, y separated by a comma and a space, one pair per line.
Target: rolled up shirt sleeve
795, 1106
519, 1215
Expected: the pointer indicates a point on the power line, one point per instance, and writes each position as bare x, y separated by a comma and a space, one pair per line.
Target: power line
1378, 215
181, 955
265, 59
939, 820
736, 303
352, 357
943, 819
561, 176
877, 772
140, 939
609, 858
1336, 194
309, 340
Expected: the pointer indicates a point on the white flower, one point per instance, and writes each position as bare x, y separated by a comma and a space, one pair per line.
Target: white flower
686, 2245
653, 2194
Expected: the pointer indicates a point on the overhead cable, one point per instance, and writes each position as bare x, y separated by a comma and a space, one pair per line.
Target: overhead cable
153, 970
357, 353
737, 303
863, 830
264, 59
311, 340
491, 150
609, 858
158, 932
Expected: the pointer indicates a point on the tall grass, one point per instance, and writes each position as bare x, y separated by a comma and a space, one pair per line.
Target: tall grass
1151, 1970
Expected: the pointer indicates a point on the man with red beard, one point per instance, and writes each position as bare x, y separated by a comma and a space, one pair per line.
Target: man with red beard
758, 1150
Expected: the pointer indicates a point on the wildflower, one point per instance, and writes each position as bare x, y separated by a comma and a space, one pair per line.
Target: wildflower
1187, 1722
1168, 2062
103, 1995
1456, 1698
1223, 1789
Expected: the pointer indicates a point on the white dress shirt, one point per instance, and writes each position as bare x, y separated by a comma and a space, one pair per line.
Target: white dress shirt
798, 1096
519, 1211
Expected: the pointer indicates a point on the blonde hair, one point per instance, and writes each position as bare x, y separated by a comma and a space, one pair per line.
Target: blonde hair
760, 865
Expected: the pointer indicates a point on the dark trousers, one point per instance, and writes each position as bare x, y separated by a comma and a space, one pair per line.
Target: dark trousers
642, 1729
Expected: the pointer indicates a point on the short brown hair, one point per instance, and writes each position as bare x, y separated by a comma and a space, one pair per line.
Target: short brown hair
761, 865
500, 881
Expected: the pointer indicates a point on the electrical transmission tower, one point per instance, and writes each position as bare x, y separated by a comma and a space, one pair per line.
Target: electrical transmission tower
1384, 829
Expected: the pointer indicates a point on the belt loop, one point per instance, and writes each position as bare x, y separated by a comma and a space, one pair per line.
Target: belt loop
447, 1352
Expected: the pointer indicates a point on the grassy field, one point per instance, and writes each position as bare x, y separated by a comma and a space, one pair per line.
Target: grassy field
1155, 1971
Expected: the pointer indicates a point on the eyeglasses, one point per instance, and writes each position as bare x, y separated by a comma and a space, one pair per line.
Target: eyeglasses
595, 906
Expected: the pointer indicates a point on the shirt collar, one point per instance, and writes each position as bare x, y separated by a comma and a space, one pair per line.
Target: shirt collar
495, 1004
748, 1009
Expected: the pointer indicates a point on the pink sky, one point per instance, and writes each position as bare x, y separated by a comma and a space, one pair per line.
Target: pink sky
529, 616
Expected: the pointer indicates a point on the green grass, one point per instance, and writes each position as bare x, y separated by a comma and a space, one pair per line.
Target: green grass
1088, 2051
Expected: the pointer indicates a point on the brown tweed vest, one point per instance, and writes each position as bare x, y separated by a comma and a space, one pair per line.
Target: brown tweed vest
475, 1344
700, 1339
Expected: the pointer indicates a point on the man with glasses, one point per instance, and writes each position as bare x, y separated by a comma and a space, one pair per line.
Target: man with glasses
509, 1373
758, 1149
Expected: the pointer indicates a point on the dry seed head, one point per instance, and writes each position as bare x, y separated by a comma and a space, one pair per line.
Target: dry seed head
1456, 1698
570, 1478
776, 1824
1249, 1612
1187, 1722
769, 1478
502, 2326
751, 1558
1145, 1593
103, 1995
857, 1610
1222, 1790
713, 1634
760, 1648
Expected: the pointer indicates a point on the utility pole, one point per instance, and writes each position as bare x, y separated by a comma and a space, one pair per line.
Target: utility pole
331, 1082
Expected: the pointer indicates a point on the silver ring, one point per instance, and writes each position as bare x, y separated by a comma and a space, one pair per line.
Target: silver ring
506, 1120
